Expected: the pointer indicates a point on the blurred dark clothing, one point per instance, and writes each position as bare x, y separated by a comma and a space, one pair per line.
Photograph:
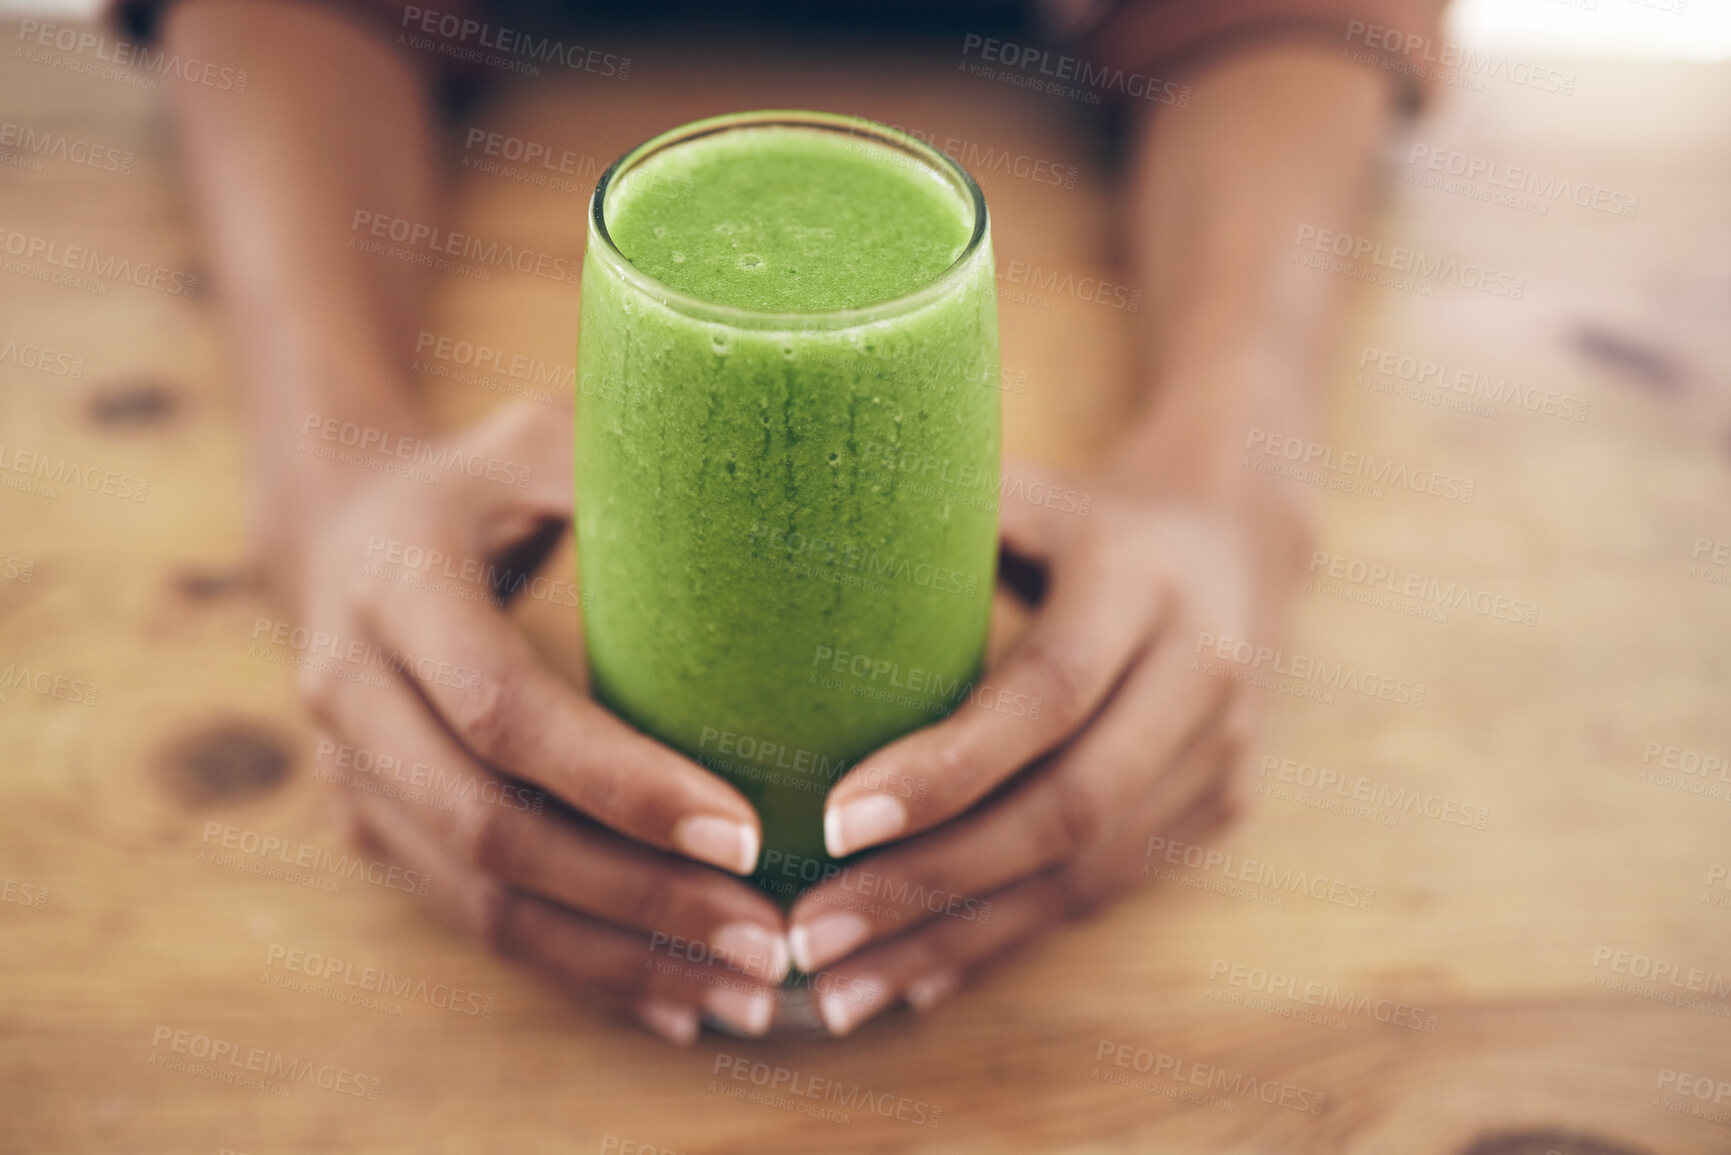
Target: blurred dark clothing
1115, 47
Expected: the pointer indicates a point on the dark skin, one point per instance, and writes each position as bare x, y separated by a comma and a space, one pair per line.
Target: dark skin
1131, 742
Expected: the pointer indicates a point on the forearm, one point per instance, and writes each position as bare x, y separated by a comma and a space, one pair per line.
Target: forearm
1276, 137
332, 122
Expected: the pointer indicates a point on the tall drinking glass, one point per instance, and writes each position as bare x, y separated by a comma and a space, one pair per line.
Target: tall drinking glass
787, 452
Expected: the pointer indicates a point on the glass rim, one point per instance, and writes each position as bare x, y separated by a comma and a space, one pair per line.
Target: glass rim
746, 318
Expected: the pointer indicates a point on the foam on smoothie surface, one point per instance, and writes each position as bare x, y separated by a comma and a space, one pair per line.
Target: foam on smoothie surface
788, 220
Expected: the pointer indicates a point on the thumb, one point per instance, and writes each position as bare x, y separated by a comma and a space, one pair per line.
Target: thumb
1031, 525
526, 462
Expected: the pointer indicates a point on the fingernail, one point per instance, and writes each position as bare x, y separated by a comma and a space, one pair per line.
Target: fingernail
720, 841
925, 993
826, 938
758, 952
840, 1016
748, 1012
865, 821
672, 1021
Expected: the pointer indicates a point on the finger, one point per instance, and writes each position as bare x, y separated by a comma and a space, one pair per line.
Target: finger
570, 948
1075, 803
502, 829
930, 961
927, 964
1031, 528
511, 712
526, 458
1091, 625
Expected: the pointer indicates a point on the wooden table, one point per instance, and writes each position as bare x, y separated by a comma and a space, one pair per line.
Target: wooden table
1486, 1000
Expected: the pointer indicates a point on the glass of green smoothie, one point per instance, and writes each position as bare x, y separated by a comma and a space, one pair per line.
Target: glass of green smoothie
787, 446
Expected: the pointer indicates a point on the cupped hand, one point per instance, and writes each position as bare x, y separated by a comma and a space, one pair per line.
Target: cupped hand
550, 829
1100, 726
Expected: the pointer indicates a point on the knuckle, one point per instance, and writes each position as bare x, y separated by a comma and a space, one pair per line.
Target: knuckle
495, 915
1238, 791
1071, 895
318, 693
1079, 813
487, 716
927, 954
1064, 678
1234, 801
361, 590
485, 836
652, 904
606, 796
1213, 692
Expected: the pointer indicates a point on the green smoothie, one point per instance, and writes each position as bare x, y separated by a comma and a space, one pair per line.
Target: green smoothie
776, 305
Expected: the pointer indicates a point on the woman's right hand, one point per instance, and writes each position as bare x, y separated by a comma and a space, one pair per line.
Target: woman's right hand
551, 830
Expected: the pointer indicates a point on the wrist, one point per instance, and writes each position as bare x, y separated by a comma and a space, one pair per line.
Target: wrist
311, 454
1201, 442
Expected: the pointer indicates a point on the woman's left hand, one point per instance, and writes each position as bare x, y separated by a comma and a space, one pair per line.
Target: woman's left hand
1122, 734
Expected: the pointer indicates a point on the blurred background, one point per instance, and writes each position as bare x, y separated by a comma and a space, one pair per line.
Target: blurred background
1545, 962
